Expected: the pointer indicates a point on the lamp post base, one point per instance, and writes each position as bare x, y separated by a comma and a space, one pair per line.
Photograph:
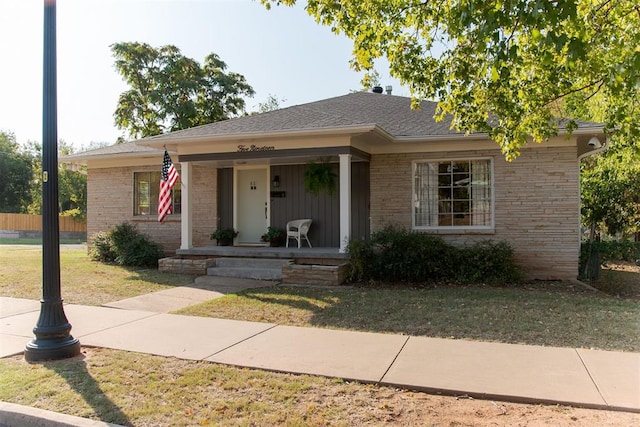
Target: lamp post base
52, 339
51, 349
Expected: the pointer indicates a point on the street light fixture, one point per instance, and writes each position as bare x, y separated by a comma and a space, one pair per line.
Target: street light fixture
52, 332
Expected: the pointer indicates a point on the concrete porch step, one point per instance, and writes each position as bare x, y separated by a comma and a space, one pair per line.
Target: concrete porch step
249, 268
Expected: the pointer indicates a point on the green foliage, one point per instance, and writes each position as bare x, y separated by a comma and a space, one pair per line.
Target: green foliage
611, 250
168, 91
398, 255
15, 175
102, 248
75, 213
72, 185
487, 262
610, 187
275, 236
610, 181
319, 177
125, 245
496, 66
272, 103
224, 236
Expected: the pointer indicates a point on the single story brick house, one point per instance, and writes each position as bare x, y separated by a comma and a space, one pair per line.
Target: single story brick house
393, 165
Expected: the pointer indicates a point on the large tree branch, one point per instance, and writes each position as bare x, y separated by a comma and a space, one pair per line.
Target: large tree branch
599, 83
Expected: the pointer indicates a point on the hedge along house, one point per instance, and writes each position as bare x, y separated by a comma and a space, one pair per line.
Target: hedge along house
393, 165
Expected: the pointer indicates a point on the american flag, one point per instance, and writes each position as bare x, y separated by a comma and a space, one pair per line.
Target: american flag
168, 178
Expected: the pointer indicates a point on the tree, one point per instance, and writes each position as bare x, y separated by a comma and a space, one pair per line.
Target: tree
270, 104
72, 185
611, 191
499, 66
15, 175
169, 91
610, 181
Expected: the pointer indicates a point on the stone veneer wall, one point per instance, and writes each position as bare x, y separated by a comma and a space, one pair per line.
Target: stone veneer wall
314, 274
179, 265
110, 202
536, 204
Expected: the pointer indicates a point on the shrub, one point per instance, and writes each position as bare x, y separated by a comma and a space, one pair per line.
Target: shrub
608, 250
102, 249
406, 256
125, 245
619, 250
488, 262
397, 255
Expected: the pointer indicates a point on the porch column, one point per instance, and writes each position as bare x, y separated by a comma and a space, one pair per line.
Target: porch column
345, 201
186, 217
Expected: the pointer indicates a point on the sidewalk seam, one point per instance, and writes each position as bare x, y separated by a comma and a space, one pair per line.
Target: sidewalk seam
595, 384
239, 342
151, 314
19, 314
394, 359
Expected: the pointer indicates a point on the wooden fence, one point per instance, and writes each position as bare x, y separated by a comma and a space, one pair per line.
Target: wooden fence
26, 222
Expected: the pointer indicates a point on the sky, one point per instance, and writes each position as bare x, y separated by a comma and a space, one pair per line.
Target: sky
280, 52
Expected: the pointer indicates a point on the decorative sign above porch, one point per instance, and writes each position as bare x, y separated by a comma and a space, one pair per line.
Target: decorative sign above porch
247, 148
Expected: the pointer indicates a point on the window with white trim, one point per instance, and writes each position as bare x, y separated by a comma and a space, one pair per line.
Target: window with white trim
146, 190
452, 194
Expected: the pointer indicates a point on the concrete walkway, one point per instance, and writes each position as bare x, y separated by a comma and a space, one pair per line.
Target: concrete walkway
517, 373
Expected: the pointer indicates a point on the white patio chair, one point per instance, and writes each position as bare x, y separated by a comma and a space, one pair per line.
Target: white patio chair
298, 230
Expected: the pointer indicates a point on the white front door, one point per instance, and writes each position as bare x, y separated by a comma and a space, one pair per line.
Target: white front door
251, 204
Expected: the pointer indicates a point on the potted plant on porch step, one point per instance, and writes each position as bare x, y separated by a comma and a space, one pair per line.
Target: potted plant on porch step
224, 236
274, 236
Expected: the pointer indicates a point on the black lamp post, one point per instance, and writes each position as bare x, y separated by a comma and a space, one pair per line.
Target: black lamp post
52, 332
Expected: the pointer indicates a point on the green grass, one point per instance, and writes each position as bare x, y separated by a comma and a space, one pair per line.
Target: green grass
620, 279
82, 281
539, 314
37, 241
547, 316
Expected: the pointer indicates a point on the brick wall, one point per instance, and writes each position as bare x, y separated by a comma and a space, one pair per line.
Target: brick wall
536, 204
110, 202
204, 204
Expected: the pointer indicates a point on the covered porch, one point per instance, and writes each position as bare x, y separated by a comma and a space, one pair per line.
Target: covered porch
255, 190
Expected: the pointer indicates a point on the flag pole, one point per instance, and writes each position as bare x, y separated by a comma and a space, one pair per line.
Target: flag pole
52, 332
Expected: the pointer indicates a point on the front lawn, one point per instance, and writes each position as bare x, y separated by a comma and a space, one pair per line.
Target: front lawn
138, 389
553, 314
82, 281
542, 314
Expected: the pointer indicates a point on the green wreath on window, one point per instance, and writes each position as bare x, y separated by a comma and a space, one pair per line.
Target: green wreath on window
319, 177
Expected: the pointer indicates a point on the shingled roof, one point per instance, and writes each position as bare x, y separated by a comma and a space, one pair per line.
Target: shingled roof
391, 113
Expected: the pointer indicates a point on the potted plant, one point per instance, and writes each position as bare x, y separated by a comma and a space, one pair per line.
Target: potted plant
224, 236
319, 177
274, 236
